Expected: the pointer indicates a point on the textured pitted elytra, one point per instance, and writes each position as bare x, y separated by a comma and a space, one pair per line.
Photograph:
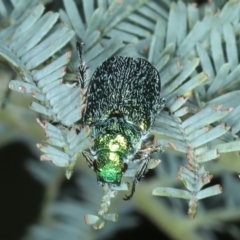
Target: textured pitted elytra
130, 85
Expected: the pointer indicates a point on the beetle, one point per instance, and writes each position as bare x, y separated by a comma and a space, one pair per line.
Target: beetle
121, 102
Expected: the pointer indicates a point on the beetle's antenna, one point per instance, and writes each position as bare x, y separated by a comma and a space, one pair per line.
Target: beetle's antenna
82, 69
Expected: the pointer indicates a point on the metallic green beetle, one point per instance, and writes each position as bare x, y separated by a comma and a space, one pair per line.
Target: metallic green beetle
122, 99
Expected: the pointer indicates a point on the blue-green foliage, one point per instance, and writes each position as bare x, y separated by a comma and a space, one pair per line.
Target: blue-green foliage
195, 50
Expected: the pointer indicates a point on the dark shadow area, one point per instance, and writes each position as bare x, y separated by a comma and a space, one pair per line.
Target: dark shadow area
21, 195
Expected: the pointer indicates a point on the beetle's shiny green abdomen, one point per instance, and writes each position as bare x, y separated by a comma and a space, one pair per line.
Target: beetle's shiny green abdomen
115, 141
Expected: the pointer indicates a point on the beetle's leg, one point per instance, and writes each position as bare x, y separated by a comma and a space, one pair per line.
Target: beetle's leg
90, 161
163, 106
162, 103
125, 167
140, 172
149, 145
143, 167
153, 149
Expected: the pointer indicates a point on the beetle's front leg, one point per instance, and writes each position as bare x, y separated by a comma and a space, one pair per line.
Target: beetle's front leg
90, 160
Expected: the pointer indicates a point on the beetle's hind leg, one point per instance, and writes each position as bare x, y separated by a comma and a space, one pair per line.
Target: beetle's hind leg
149, 146
140, 173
